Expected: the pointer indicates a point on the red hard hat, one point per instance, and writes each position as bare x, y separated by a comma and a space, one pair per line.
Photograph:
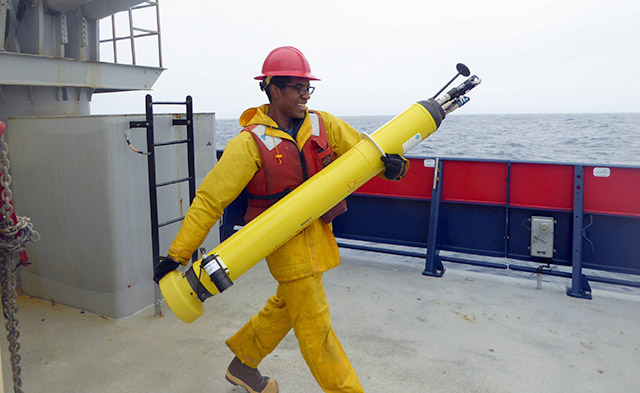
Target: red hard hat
286, 61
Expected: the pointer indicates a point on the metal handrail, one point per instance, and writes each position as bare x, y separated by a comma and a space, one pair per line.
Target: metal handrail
132, 32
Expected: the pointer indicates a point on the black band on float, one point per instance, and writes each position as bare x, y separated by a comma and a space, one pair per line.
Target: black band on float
435, 110
218, 273
221, 280
196, 285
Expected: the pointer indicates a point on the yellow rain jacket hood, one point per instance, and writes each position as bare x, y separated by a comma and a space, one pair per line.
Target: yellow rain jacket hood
313, 250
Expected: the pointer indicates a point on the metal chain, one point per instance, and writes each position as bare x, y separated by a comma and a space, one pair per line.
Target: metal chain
14, 238
8, 269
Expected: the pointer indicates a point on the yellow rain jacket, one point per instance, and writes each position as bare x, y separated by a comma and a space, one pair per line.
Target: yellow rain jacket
313, 250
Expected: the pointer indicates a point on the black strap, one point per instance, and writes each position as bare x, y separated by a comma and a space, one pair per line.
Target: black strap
196, 285
277, 196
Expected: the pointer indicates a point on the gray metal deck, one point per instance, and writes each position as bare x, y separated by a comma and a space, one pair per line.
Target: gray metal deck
465, 332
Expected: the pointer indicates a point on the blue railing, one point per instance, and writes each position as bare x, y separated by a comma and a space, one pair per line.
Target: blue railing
483, 208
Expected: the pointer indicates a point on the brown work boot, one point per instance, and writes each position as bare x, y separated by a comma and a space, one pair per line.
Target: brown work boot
250, 378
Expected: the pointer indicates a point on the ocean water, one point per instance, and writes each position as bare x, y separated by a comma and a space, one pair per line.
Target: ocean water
603, 139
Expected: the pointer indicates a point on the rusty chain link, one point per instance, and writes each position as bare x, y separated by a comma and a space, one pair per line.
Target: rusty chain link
9, 308
14, 238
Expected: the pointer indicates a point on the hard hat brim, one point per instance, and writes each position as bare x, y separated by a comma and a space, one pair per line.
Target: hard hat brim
311, 77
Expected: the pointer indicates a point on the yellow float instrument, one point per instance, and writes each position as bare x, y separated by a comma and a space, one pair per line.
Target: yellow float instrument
186, 292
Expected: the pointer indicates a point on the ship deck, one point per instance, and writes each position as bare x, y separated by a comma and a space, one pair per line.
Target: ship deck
404, 332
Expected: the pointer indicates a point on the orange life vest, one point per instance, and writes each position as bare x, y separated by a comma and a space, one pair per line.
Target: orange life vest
284, 167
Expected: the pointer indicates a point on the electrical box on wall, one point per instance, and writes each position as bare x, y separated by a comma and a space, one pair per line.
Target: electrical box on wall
542, 236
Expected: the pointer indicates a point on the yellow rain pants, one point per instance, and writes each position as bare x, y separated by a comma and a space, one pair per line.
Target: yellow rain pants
302, 305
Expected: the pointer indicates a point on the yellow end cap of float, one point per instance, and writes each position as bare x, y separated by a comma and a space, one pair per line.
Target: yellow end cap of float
180, 297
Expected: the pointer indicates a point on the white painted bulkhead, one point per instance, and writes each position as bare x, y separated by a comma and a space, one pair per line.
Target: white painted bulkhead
87, 194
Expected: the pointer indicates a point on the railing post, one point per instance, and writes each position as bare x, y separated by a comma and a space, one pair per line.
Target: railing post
132, 35
113, 33
507, 211
157, 3
191, 151
433, 266
191, 157
579, 284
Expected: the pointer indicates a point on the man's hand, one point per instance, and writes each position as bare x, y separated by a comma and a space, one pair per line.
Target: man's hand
395, 166
165, 266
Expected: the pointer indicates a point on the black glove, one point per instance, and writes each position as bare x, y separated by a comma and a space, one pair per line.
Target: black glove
165, 266
395, 166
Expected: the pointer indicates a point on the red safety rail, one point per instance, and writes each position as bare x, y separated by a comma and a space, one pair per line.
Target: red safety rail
474, 181
545, 186
416, 184
532, 185
618, 193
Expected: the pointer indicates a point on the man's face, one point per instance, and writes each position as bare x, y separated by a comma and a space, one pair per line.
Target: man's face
290, 101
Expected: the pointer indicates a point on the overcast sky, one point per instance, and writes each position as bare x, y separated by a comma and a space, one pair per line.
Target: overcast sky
378, 57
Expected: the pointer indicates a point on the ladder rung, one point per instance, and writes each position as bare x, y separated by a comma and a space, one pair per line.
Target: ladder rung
180, 122
138, 124
164, 224
168, 103
172, 142
158, 185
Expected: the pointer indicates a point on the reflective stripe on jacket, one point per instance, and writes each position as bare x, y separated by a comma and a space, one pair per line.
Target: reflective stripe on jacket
285, 167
